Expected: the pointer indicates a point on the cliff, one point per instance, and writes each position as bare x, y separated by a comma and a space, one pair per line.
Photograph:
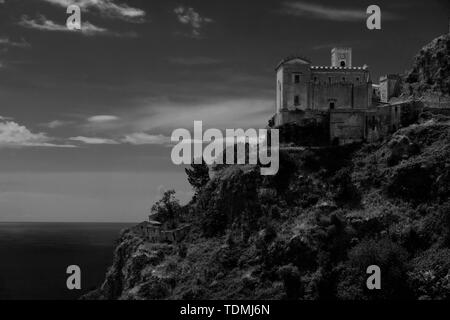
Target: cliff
430, 73
310, 231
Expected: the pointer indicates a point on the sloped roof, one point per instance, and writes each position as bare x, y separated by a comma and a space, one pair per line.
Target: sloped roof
290, 58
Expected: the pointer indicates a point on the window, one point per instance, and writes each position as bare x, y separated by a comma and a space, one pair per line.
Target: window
331, 105
357, 79
296, 78
342, 63
343, 79
315, 79
329, 79
296, 100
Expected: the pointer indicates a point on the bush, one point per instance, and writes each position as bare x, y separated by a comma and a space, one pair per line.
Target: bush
430, 275
392, 260
291, 280
346, 191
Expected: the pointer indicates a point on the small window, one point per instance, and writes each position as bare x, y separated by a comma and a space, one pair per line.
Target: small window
329, 79
357, 79
296, 78
343, 79
315, 79
296, 100
331, 105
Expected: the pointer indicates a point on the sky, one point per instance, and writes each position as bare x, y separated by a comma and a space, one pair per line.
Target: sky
86, 115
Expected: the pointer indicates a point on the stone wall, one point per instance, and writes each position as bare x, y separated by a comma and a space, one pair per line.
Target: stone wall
347, 126
158, 234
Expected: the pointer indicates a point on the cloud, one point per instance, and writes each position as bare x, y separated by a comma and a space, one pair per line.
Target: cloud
56, 124
93, 140
194, 61
188, 16
102, 118
88, 29
9, 43
318, 11
14, 135
218, 113
106, 8
140, 138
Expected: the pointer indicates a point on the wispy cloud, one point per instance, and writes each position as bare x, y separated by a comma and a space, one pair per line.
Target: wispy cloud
141, 138
194, 61
13, 134
317, 11
7, 42
106, 8
102, 118
93, 140
56, 124
188, 16
221, 114
88, 29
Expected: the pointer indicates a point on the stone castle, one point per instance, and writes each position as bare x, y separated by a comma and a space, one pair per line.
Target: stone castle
341, 95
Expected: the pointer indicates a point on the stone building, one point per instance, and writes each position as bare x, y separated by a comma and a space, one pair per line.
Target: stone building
342, 95
154, 231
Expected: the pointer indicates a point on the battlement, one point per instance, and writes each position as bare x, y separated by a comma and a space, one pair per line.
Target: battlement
365, 67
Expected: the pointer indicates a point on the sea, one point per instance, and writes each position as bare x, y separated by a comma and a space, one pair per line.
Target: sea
34, 258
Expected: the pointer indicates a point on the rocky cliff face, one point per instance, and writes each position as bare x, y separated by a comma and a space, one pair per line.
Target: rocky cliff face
431, 69
309, 232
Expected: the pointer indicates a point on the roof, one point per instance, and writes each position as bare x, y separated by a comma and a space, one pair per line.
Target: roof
154, 223
290, 58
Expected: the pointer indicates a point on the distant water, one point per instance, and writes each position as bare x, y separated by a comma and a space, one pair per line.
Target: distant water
34, 257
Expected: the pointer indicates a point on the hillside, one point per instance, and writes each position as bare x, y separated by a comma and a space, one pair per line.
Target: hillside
310, 231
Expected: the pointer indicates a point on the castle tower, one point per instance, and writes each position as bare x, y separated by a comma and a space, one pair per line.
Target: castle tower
341, 57
293, 77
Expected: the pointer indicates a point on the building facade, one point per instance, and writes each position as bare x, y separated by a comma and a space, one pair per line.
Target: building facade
340, 94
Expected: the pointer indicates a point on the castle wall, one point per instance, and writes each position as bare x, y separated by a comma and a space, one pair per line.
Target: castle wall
347, 126
298, 117
328, 96
341, 88
362, 95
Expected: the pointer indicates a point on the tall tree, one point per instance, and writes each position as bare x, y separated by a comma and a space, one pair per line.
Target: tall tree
198, 176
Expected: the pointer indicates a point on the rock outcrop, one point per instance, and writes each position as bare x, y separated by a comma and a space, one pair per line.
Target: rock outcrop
431, 69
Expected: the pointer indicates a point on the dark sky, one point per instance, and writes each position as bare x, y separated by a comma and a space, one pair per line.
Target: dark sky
85, 115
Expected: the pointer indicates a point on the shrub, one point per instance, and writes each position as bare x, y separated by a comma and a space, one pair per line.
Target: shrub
392, 260
291, 280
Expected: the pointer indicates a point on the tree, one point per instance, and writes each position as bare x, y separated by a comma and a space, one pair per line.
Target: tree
198, 176
167, 209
